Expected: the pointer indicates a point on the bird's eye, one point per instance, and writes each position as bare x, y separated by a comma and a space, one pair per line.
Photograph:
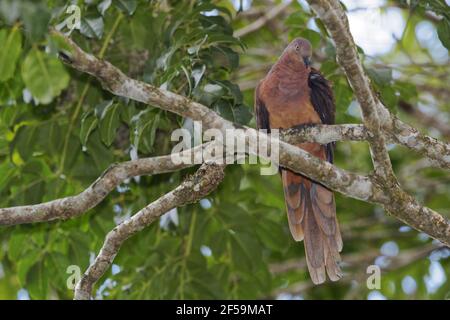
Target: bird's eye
297, 48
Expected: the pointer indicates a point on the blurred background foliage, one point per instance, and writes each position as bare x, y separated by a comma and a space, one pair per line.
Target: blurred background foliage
59, 131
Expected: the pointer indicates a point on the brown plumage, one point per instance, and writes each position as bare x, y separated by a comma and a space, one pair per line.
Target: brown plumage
294, 94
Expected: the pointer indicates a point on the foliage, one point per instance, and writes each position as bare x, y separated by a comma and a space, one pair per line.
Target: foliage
60, 130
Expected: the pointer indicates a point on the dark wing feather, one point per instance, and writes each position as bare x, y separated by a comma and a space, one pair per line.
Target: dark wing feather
261, 113
322, 97
323, 102
323, 240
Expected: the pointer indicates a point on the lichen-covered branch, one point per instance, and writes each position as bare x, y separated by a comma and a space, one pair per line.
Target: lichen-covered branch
72, 206
428, 120
325, 133
371, 189
335, 19
379, 127
377, 119
437, 151
194, 188
376, 116
115, 81
407, 209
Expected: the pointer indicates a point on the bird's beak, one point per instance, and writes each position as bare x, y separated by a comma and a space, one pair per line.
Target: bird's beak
307, 61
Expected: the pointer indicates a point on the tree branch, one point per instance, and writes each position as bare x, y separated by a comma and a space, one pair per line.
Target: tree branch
400, 204
437, 151
335, 19
379, 126
376, 116
325, 133
115, 81
396, 131
73, 206
370, 189
194, 188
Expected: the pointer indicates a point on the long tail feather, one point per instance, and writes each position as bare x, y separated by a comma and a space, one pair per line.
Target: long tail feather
312, 217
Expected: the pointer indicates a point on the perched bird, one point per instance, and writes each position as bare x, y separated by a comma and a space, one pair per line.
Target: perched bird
294, 94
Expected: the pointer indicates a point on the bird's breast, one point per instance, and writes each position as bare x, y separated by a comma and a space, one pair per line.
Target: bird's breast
289, 108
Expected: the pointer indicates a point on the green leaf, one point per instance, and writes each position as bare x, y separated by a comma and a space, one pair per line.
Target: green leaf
37, 281
92, 27
197, 74
18, 243
103, 6
88, 124
343, 95
10, 11
245, 251
271, 235
328, 68
34, 192
25, 263
36, 167
11, 91
44, 76
322, 27
313, 36
58, 44
36, 17
381, 76
11, 49
25, 141
224, 109
100, 156
233, 90
127, 6
7, 171
389, 98
242, 114
443, 30
144, 126
296, 19
150, 138
408, 91
109, 122
58, 243
231, 57
56, 264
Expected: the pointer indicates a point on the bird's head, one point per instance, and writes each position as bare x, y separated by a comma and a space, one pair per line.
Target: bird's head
300, 49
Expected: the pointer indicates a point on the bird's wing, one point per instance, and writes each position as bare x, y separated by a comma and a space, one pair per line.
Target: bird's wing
323, 102
292, 182
322, 97
261, 113
323, 240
